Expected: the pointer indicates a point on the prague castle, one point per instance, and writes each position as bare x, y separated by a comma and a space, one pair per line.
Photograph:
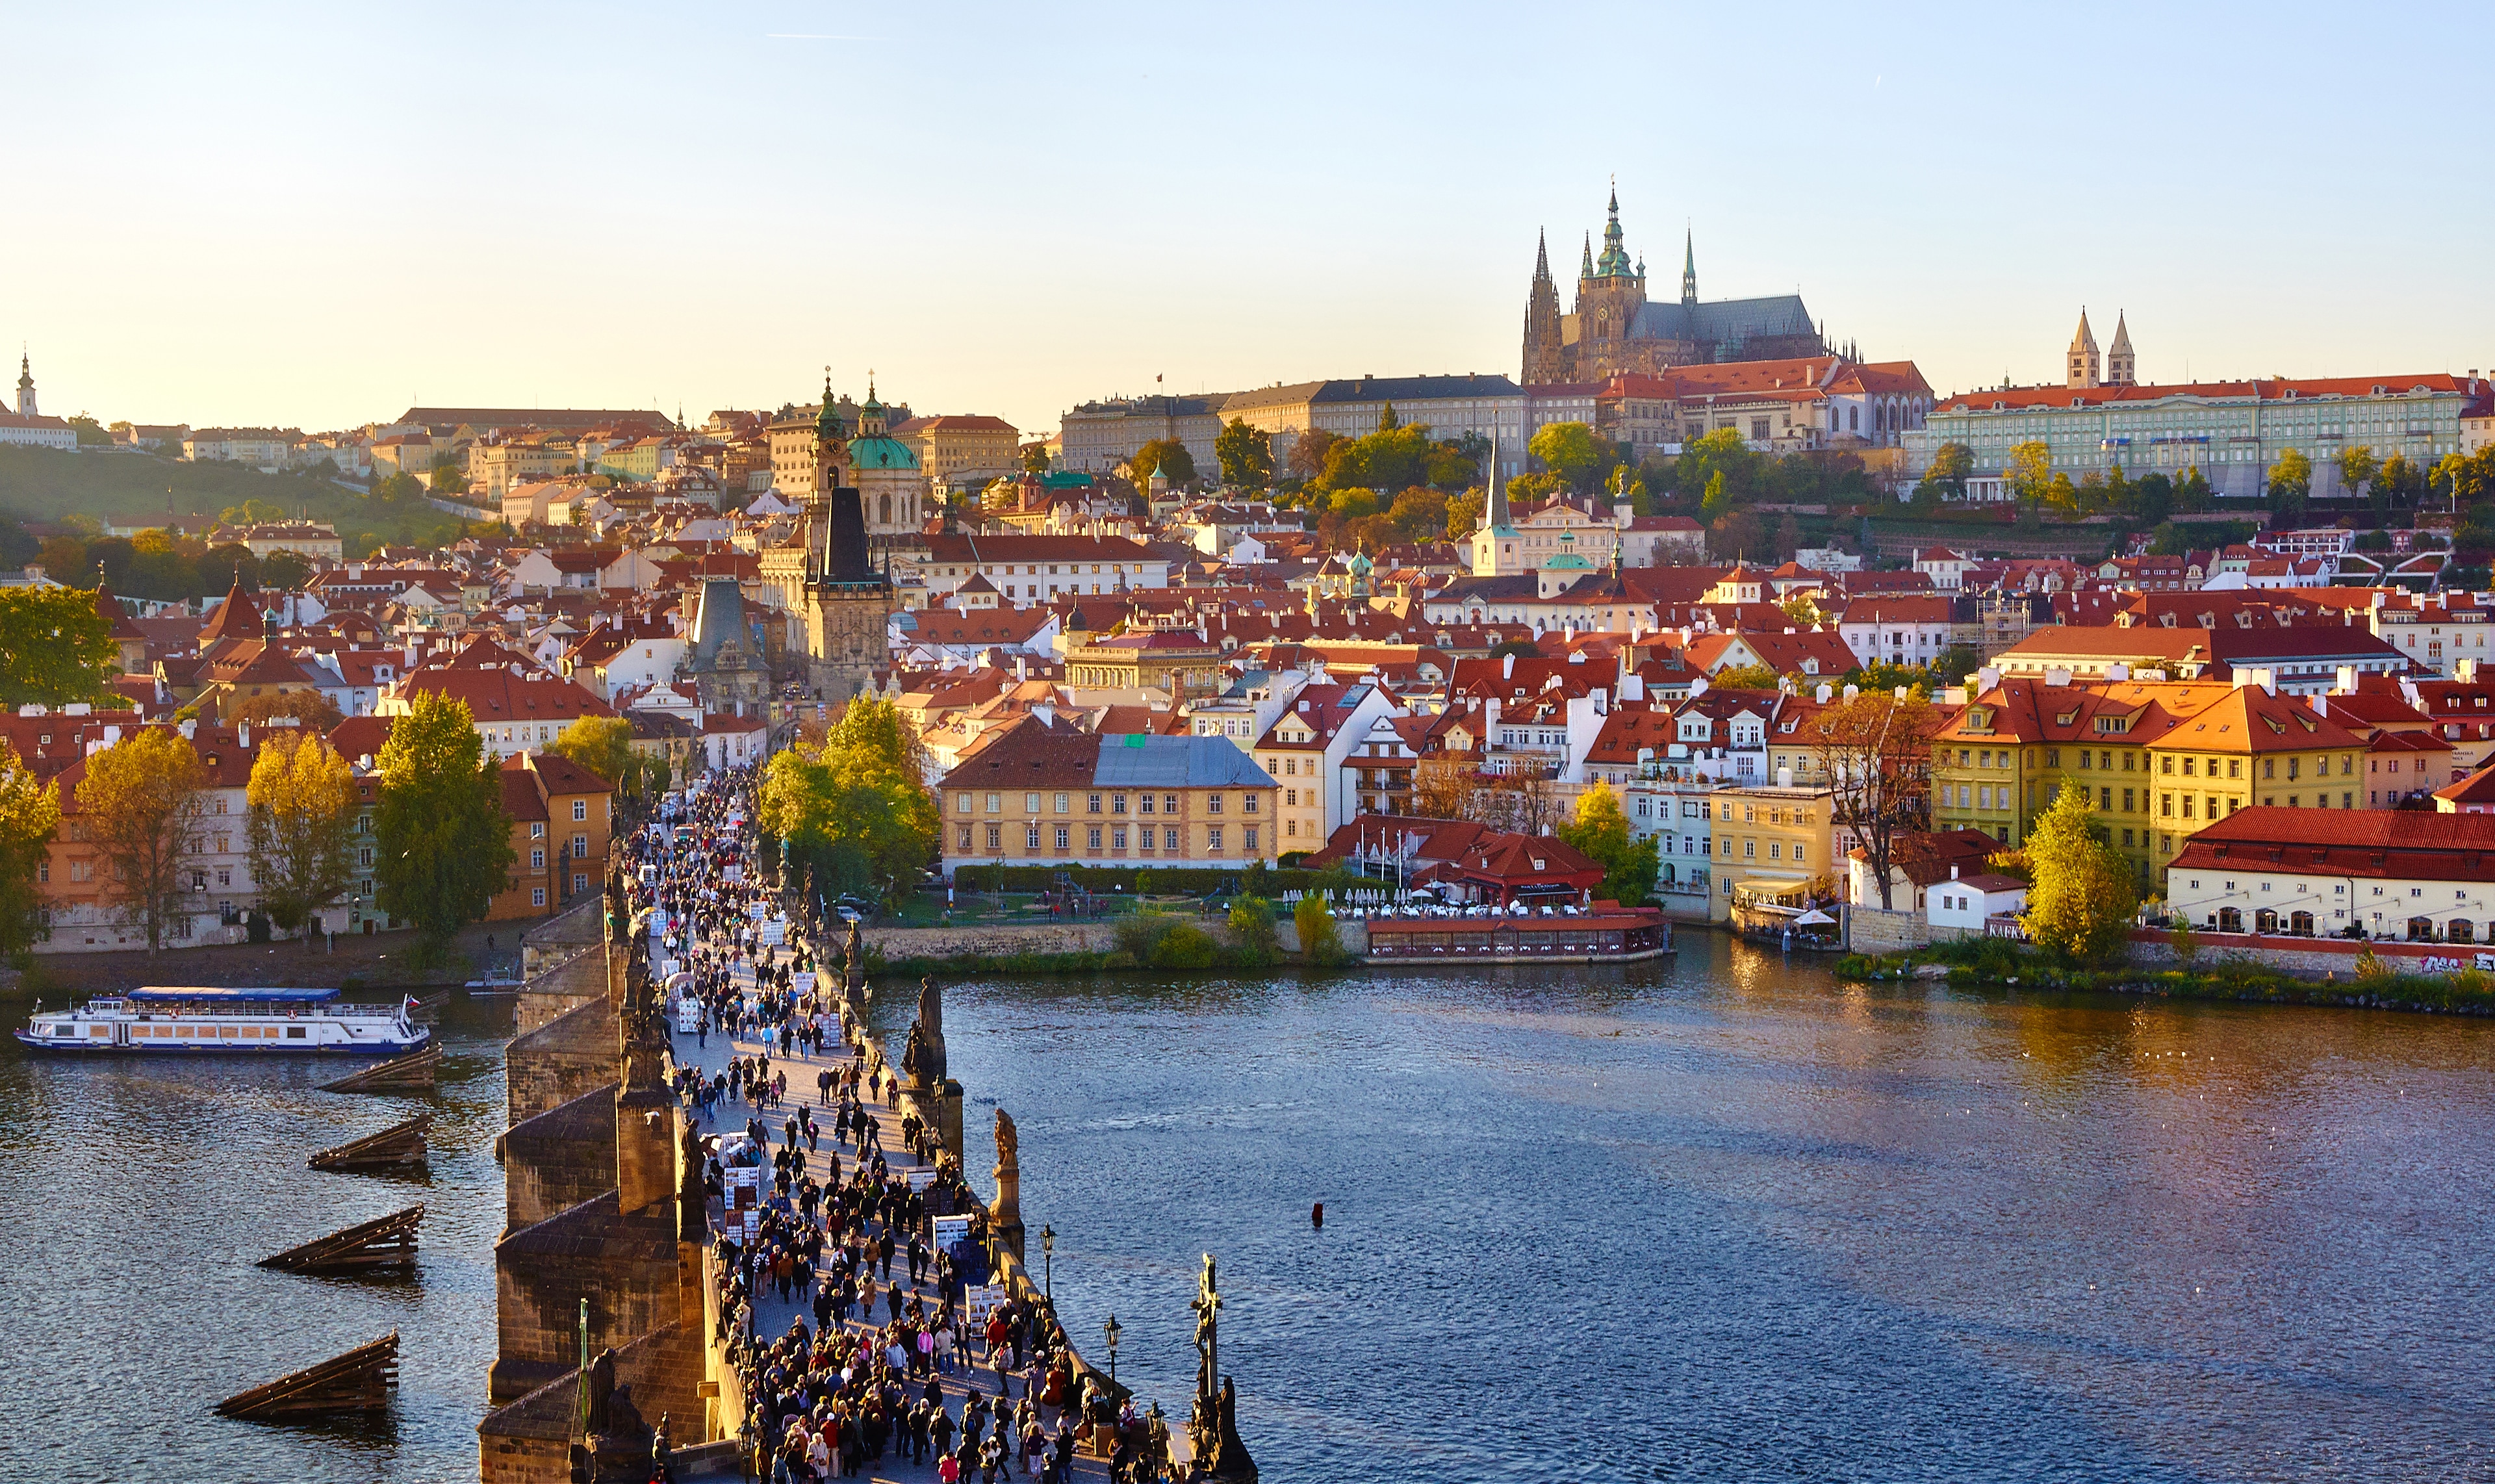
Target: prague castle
1614, 327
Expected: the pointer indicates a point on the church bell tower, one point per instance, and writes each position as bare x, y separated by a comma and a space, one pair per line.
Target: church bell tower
847, 602
2084, 368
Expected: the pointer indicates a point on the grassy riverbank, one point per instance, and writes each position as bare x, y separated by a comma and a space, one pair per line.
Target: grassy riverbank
1998, 964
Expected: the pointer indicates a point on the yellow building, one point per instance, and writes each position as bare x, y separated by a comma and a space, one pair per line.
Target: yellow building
1771, 842
959, 448
2159, 759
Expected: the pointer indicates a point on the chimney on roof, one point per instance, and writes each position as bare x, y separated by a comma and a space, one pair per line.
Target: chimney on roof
1952, 871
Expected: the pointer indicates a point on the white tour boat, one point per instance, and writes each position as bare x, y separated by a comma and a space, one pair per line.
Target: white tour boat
194, 1020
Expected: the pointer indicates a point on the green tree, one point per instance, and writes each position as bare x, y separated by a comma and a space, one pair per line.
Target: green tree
90, 433
284, 571
1463, 514
1166, 456
1533, 488
1255, 942
2398, 481
1569, 451
2030, 472
2193, 495
1034, 458
856, 804
30, 811
55, 647
1310, 452
447, 478
309, 709
1450, 468
444, 842
1386, 422
2357, 466
1320, 938
1600, 833
1247, 455
2084, 894
1717, 503
1743, 677
603, 745
2291, 480
1418, 514
1947, 473
140, 799
252, 511
398, 488
303, 807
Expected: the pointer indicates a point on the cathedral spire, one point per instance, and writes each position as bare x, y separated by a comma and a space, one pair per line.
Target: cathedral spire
1541, 257
1585, 264
1688, 266
1615, 261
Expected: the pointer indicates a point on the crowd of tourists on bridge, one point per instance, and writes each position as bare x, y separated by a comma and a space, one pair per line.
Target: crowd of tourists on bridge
849, 1239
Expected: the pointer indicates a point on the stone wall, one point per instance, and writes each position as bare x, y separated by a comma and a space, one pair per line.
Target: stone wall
560, 937
561, 986
1871, 930
2311, 957
559, 1061
625, 1266
1354, 935
997, 942
529, 1441
559, 1158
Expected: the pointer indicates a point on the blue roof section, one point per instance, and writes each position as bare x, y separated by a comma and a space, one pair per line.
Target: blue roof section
1142, 761
1720, 322
882, 452
197, 993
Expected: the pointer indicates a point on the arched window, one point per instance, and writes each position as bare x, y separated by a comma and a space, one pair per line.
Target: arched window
884, 508
2420, 929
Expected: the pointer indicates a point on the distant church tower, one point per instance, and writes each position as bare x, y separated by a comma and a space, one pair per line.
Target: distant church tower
847, 602
2121, 367
1689, 268
2084, 370
1611, 290
1546, 358
25, 386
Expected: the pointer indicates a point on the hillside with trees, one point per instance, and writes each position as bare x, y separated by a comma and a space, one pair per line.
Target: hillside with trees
82, 491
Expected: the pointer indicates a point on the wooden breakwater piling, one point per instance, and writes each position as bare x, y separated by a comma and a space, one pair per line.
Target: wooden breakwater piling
400, 1074
396, 1149
383, 1243
359, 1380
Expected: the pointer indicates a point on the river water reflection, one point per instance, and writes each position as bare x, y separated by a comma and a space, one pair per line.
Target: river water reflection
1720, 1220
1731, 1221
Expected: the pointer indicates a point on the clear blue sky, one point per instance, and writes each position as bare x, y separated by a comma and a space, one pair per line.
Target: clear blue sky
310, 215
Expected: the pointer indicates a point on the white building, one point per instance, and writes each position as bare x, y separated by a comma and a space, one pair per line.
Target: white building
1969, 902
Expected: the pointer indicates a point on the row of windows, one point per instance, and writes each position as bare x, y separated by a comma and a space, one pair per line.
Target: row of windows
1146, 803
1777, 851
1171, 841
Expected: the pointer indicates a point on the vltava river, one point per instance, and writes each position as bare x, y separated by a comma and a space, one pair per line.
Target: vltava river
1724, 1220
